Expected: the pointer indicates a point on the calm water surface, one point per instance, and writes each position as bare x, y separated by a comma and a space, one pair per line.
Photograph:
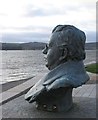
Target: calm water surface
25, 64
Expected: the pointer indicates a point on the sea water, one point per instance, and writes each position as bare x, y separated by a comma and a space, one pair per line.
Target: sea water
21, 64
25, 64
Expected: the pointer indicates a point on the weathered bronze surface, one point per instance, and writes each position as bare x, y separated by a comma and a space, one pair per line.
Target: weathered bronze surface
64, 54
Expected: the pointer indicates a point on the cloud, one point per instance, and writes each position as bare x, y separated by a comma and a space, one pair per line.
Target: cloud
28, 30
91, 36
25, 37
30, 20
33, 11
39, 37
49, 11
42, 12
60, 7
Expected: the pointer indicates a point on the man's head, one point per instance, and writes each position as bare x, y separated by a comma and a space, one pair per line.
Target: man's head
66, 43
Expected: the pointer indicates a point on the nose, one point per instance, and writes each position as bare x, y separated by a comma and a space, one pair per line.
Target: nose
45, 50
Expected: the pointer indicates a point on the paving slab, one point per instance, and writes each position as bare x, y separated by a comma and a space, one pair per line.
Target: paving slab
85, 91
83, 107
88, 91
82, 91
19, 90
84, 98
93, 93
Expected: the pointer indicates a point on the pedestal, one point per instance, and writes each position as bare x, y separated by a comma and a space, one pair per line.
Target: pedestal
56, 100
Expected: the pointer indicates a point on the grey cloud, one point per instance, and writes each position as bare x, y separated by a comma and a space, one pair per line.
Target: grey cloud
91, 36
51, 10
25, 37
27, 28
43, 12
33, 11
39, 37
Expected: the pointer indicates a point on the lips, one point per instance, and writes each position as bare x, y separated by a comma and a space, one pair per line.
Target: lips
45, 58
47, 65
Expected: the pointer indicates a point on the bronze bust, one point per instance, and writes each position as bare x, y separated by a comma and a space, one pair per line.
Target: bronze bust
65, 54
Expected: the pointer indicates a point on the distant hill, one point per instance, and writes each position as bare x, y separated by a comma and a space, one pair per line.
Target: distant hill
11, 46
33, 46
23, 46
37, 46
91, 46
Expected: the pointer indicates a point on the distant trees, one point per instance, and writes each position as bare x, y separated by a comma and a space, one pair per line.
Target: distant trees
91, 46
23, 46
37, 46
11, 46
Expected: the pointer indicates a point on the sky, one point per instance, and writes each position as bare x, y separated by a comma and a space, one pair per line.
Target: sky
33, 20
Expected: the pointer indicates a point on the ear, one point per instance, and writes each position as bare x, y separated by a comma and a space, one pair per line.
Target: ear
63, 54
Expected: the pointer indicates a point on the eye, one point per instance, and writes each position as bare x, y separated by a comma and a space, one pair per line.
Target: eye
50, 45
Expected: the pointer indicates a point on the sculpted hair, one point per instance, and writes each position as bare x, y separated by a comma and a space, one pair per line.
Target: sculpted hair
73, 39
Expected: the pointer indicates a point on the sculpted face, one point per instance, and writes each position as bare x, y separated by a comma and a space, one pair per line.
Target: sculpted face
66, 43
53, 53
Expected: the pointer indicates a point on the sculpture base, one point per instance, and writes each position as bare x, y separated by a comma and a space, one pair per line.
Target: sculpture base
63, 102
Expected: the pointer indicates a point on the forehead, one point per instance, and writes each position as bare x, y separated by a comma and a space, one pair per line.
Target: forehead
55, 37
58, 38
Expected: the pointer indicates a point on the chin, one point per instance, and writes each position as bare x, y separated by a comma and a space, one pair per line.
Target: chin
48, 66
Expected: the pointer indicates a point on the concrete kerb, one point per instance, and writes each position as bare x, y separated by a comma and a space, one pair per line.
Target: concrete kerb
19, 90
89, 63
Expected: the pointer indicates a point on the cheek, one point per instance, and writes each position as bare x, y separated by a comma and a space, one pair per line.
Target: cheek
50, 54
53, 55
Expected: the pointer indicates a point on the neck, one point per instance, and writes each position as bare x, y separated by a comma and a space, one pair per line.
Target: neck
59, 62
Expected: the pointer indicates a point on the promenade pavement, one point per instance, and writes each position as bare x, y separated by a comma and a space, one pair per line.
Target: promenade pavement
83, 107
82, 91
13, 104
